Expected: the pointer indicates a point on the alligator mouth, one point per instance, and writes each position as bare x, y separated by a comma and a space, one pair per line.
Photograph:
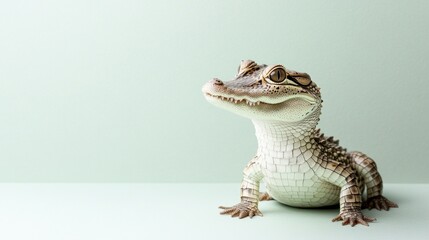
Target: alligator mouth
235, 100
251, 103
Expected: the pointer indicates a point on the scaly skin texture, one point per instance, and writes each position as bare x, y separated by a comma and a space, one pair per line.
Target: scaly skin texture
299, 165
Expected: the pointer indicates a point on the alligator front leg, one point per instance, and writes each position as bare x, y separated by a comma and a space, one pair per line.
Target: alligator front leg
350, 206
248, 207
350, 197
249, 201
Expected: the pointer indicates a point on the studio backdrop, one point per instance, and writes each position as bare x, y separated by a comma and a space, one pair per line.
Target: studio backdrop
110, 91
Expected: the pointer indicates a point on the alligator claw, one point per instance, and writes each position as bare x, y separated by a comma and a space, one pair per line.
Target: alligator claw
379, 203
265, 197
241, 210
353, 218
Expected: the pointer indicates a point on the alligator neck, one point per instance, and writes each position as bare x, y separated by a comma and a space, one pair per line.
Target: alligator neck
275, 137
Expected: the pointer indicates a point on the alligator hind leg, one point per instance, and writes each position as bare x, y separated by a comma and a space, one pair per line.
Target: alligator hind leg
367, 169
265, 196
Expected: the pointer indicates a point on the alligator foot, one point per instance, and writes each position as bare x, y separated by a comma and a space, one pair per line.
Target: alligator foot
241, 210
353, 218
265, 197
379, 203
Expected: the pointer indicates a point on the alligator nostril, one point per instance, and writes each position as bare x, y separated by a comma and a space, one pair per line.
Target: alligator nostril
217, 82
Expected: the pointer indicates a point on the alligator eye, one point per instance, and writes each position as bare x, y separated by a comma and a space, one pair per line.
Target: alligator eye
276, 74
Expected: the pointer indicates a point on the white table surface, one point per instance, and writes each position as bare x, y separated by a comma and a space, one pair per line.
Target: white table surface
63, 211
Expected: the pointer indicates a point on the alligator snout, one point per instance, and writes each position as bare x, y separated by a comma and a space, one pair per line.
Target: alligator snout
213, 85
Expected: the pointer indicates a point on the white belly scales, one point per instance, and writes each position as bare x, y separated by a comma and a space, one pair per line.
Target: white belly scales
291, 181
287, 158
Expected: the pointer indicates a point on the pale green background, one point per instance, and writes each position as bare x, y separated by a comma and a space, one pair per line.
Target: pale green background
105, 91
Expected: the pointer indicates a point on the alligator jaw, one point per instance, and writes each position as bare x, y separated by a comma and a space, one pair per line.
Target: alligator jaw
234, 100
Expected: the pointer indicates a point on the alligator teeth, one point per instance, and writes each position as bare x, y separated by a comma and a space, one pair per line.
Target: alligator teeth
233, 100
